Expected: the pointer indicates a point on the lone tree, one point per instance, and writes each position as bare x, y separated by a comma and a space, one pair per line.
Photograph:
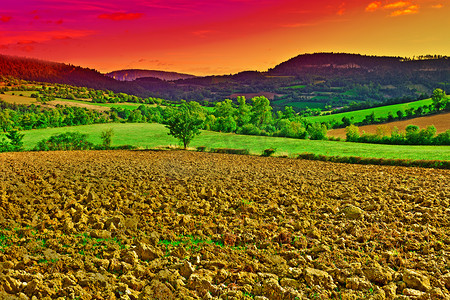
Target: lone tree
439, 99
186, 122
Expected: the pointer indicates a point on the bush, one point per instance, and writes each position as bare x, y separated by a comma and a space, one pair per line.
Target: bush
15, 138
334, 139
352, 133
106, 137
317, 131
268, 152
201, 148
65, 141
5, 146
437, 164
231, 151
249, 129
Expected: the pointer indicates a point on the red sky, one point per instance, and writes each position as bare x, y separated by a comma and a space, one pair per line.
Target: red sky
217, 37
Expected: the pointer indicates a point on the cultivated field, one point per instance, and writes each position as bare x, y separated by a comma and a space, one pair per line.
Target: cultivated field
183, 225
26, 99
16, 98
441, 122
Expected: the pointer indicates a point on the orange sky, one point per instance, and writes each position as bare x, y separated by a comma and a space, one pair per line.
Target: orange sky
217, 37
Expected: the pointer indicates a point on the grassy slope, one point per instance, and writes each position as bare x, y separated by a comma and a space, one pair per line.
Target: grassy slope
153, 135
130, 106
299, 105
379, 112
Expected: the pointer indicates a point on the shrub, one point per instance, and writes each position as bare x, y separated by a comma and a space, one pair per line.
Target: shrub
65, 141
250, 129
5, 146
352, 133
334, 138
438, 164
317, 131
268, 152
231, 151
443, 138
15, 140
106, 137
201, 148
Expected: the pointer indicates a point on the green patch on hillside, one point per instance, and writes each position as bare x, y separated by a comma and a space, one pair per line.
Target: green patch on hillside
299, 105
126, 105
145, 135
294, 87
320, 98
350, 93
382, 111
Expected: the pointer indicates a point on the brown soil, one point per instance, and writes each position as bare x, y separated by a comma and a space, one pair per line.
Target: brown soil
184, 225
441, 122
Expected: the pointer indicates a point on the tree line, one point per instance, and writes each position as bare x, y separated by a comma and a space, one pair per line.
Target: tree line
413, 135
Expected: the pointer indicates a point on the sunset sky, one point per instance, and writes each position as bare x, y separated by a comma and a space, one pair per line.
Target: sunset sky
204, 37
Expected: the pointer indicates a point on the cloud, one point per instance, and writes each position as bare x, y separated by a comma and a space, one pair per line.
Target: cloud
121, 16
5, 19
438, 6
373, 6
296, 25
396, 5
61, 37
413, 9
202, 33
399, 8
27, 38
25, 42
26, 46
341, 10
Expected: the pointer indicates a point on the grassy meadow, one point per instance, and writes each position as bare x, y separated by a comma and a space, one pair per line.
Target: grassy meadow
127, 105
299, 105
145, 135
382, 111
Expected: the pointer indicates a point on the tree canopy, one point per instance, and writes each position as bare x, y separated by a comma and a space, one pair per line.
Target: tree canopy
186, 122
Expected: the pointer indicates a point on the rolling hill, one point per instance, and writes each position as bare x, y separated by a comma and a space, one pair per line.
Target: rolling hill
334, 79
132, 74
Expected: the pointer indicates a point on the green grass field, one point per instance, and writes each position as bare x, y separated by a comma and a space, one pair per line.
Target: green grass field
130, 106
294, 87
146, 135
383, 111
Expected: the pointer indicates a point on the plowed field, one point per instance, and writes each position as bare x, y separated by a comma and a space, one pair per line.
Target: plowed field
440, 121
183, 225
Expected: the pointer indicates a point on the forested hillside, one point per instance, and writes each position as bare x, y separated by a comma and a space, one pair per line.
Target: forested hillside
133, 74
309, 81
